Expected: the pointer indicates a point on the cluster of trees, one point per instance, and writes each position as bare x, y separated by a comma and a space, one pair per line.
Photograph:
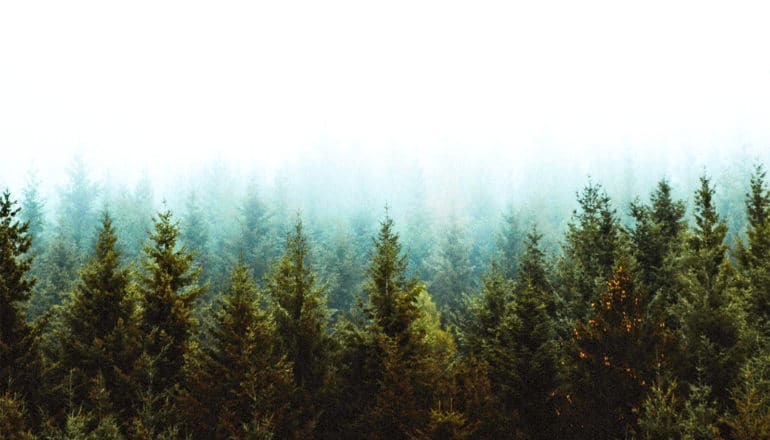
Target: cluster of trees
658, 328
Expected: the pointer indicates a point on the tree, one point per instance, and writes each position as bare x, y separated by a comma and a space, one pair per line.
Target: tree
257, 240
299, 309
656, 240
240, 376
453, 274
32, 212
168, 288
99, 340
77, 216
593, 242
57, 269
20, 357
195, 235
754, 256
510, 243
615, 356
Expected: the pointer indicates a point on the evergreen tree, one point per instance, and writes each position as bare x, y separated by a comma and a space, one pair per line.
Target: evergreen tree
99, 340
754, 256
20, 357
712, 343
168, 288
195, 235
453, 277
345, 275
32, 212
593, 243
58, 271
257, 241
76, 214
510, 243
240, 377
133, 221
656, 240
615, 355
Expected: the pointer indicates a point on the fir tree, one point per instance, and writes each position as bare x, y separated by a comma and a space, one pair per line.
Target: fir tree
453, 274
20, 357
77, 216
754, 256
32, 212
99, 338
299, 309
168, 288
510, 243
240, 376
57, 270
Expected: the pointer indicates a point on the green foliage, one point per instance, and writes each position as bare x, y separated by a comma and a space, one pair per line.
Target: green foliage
168, 288
300, 313
751, 417
754, 256
98, 338
239, 378
13, 419
77, 216
20, 357
57, 270
453, 277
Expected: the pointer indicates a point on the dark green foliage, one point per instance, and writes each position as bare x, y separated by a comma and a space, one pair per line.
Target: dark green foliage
133, 221
344, 271
257, 240
754, 256
32, 212
614, 357
239, 379
57, 269
168, 288
511, 244
99, 338
299, 310
656, 240
593, 243
195, 235
20, 357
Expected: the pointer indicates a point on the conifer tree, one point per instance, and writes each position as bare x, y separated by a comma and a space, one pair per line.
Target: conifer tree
656, 240
754, 256
299, 310
57, 269
77, 216
712, 339
615, 355
240, 377
32, 212
257, 241
99, 339
453, 274
510, 243
20, 357
593, 243
195, 235
168, 288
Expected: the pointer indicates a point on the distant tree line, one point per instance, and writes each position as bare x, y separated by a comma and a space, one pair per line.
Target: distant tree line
125, 323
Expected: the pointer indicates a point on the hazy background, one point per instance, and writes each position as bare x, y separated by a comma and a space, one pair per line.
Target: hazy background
344, 101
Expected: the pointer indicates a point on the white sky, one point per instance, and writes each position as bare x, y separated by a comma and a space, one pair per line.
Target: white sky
136, 84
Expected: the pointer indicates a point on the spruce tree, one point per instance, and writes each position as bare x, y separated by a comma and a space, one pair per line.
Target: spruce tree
32, 212
99, 339
299, 310
240, 377
453, 274
77, 216
510, 244
57, 269
754, 256
20, 358
168, 288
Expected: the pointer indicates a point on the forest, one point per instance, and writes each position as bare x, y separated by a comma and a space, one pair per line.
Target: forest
231, 310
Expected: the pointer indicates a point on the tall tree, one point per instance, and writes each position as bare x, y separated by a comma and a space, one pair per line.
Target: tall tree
510, 243
20, 357
195, 235
240, 378
299, 309
99, 339
614, 354
754, 256
58, 271
593, 242
32, 212
453, 274
77, 215
257, 242
656, 240
168, 288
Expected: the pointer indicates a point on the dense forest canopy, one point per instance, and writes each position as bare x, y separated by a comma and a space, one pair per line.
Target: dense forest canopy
240, 309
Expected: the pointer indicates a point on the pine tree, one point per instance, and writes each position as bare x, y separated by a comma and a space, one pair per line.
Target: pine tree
615, 355
593, 243
240, 376
133, 220
257, 241
656, 240
712, 343
754, 256
453, 274
299, 309
536, 347
77, 216
32, 212
510, 243
99, 338
195, 235
57, 269
168, 288
20, 357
